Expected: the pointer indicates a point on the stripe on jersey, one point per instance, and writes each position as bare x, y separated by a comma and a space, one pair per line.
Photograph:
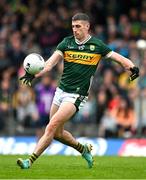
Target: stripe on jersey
82, 57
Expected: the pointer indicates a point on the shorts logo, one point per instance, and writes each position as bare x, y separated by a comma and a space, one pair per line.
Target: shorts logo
81, 98
92, 47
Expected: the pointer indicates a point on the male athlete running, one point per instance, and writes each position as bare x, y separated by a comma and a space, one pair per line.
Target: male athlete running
81, 53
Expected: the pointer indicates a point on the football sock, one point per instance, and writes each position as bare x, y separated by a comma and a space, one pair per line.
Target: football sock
79, 147
33, 157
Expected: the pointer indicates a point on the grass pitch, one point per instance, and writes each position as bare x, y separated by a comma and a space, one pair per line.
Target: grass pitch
74, 167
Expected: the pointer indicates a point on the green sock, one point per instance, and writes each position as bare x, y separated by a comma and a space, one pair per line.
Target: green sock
79, 147
33, 157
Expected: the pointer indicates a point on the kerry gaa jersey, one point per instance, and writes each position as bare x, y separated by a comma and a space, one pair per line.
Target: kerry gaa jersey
80, 63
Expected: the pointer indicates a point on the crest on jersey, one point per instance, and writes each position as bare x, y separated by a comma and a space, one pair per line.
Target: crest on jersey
92, 47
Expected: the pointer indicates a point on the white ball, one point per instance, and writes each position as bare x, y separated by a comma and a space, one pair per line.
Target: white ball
33, 63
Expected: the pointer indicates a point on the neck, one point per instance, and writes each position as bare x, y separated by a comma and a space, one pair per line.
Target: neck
84, 40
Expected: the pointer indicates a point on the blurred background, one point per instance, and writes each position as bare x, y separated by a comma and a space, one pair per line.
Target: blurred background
116, 108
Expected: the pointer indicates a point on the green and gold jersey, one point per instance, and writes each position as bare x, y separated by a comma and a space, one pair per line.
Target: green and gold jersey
80, 63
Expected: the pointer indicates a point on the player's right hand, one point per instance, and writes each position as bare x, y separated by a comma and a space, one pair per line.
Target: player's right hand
27, 78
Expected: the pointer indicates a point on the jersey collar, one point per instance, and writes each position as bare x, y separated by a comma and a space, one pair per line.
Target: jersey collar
82, 42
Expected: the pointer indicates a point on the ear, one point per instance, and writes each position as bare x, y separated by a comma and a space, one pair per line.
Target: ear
88, 26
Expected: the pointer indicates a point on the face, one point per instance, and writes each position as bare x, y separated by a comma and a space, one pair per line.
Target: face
80, 29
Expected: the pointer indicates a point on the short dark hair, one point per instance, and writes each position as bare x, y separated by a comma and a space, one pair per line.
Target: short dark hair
81, 16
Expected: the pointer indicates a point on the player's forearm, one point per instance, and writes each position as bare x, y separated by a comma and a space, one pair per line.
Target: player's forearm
50, 63
47, 68
125, 62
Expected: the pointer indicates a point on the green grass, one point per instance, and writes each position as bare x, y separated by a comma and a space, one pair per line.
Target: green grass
72, 167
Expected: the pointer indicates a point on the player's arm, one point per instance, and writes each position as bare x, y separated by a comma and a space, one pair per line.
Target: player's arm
127, 64
51, 62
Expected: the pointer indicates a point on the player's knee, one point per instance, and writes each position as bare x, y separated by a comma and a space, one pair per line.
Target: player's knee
49, 130
53, 128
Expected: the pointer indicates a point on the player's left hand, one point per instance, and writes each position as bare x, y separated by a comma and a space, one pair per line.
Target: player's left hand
27, 78
135, 73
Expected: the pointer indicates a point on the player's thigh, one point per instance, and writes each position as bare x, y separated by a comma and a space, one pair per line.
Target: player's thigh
54, 109
63, 114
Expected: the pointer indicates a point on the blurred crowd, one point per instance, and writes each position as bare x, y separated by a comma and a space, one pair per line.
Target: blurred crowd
116, 107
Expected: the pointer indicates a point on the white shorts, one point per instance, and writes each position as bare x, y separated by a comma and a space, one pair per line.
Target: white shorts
77, 99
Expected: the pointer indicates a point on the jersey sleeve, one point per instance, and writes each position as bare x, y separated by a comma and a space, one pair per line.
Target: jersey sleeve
105, 50
61, 46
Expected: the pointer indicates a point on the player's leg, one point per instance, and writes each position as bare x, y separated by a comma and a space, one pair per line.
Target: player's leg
66, 138
61, 135
65, 112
